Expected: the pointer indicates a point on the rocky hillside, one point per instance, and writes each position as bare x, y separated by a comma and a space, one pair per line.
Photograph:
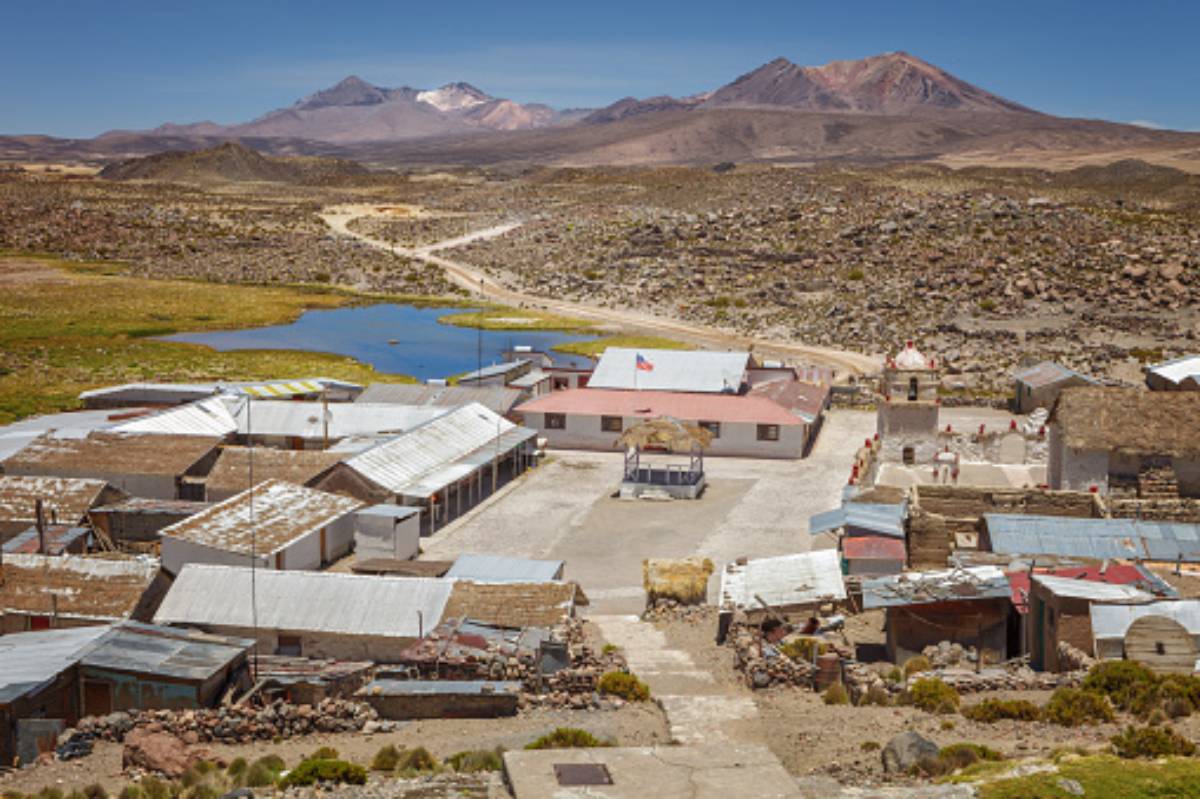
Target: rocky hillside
232, 162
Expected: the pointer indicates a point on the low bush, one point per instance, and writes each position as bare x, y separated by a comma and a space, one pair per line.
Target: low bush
1151, 742
568, 738
804, 648
237, 768
262, 772
991, 710
954, 757
324, 753
610, 648
836, 694
95, 791
476, 760
625, 685
1074, 707
385, 759
154, 788
933, 696
321, 770
876, 695
1126, 683
416, 761
869, 746
131, 792
916, 665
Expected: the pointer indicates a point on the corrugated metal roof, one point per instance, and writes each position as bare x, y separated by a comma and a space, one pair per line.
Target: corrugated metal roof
1047, 373
207, 417
76, 424
153, 393
495, 370
1178, 370
427, 458
306, 419
282, 513
925, 588
433, 687
805, 578
672, 370
301, 601
58, 538
78, 586
1133, 574
389, 511
884, 519
1112, 621
1090, 589
501, 569
136, 505
164, 651
30, 660
690, 407
498, 398
872, 547
64, 499
1020, 534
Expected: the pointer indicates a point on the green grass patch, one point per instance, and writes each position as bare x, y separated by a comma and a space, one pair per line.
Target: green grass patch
568, 738
1102, 776
625, 685
1151, 742
74, 327
596, 347
503, 318
933, 696
325, 771
991, 710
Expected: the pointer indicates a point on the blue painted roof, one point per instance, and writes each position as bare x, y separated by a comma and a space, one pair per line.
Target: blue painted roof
1020, 534
884, 519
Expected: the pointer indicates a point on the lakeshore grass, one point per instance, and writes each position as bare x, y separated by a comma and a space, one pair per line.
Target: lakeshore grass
596, 347
495, 317
66, 327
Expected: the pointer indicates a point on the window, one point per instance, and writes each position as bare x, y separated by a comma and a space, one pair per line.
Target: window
612, 424
556, 421
768, 432
912, 389
712, 427
288, 645
909, 456
560, 383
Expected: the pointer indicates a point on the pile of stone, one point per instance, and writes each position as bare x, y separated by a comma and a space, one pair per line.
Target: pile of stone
664, 609
765, 665
1071, 658
236, 724
1011, 678
574, 687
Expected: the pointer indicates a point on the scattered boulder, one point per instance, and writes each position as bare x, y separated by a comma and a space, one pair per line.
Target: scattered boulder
160, 753
906, 750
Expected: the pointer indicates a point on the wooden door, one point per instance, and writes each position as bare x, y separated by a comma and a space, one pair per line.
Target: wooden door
324, 552
97, 698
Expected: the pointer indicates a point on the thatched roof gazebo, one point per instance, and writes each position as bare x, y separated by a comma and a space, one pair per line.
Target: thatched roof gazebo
667, 434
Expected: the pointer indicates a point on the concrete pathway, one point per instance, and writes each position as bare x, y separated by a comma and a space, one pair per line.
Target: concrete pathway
698, 710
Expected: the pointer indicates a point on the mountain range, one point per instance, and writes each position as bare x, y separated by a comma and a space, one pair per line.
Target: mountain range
884, 107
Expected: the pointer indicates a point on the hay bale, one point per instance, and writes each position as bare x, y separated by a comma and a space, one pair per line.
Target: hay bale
685, 581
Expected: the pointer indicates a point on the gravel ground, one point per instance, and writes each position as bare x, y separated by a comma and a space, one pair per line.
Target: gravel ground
566, 510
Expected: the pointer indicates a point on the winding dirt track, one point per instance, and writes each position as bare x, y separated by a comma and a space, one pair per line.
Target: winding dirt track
476, 281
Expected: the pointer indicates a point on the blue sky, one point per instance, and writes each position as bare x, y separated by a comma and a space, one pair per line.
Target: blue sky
80, 68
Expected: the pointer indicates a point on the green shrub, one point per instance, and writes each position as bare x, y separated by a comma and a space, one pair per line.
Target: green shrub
916, 664
990, 710
415, 761
836, 694
947, 725
131, 792
804, 649
1126, 683
320, 770
895, 675
324, 753
154, 788
95, 791
869, 746
568, 738
876, 695
1151, 742
203, 790
987, 304
625, 685
610, 648
855, 274
933, 696
264, 771
476, 760
386, 759
1073, 707
237, 768
954, 757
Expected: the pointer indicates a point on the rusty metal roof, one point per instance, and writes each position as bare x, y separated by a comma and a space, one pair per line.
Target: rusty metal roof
926, 588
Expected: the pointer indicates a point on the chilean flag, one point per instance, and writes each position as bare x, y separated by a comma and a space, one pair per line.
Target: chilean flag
643, 365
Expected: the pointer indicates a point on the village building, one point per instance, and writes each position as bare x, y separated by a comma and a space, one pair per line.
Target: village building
51, 539
445, 466
135, 523
137, 666
206, 417
1163, 635
1039, 385
38, 592
500, 399
1126, 442
963, 606
497, 374
1180, 374
317, 426
308, 614
1096, 539
39, 689
156, 466
231, 474
870, 536
167, 394
63, 501
784, 586
387, 533
503, 569
277, 525
907, 418
513, 605
543, 380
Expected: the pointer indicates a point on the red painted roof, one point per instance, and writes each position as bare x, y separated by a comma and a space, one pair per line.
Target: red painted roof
1115, 574
873, 547
651, 404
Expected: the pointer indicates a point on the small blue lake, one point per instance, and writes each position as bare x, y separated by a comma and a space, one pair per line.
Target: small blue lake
424, 347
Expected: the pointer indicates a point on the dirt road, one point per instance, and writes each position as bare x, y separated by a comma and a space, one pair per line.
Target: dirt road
476, 281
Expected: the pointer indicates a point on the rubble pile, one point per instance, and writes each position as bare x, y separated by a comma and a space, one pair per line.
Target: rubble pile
574, 687
1072, 658
764, 665
235, 724
665, 609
